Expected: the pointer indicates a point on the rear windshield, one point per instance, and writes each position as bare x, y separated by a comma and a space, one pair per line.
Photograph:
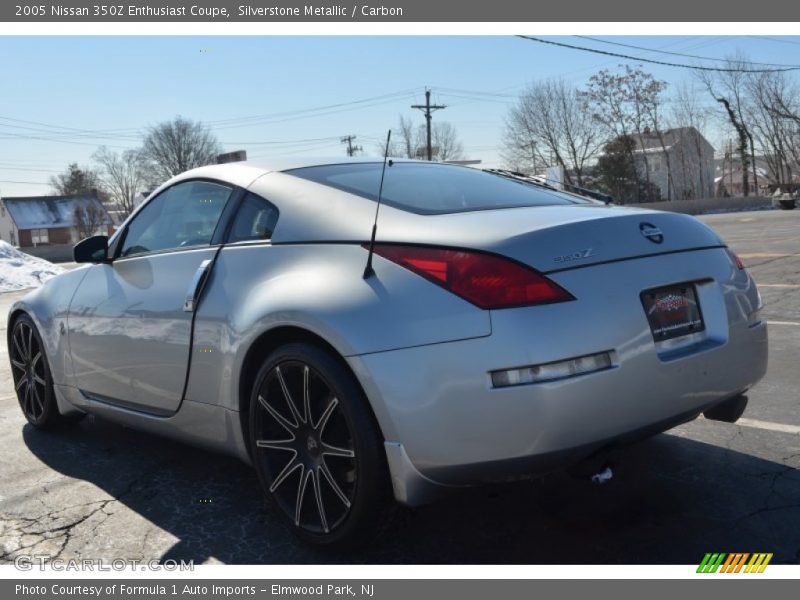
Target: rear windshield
433, 188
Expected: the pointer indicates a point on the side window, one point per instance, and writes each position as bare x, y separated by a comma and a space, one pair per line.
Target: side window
255, 220
182, 216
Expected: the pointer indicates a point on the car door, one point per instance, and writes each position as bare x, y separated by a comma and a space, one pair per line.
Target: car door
130, 321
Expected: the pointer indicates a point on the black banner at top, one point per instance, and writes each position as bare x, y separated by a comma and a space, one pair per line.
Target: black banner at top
400, 11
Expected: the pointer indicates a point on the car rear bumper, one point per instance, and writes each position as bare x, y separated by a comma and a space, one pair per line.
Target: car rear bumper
445, 424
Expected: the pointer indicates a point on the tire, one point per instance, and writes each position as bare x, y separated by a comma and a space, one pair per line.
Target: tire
33, 382
319, 456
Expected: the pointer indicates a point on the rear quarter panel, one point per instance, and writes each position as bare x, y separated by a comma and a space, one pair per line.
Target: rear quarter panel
320, 288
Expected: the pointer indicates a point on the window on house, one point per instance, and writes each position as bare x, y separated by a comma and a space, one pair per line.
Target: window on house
655, 164
39, 236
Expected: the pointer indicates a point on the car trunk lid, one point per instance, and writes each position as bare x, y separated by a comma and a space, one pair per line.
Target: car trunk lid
552, 238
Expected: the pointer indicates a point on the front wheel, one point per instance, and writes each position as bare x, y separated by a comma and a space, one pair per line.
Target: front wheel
33, 382
316, 447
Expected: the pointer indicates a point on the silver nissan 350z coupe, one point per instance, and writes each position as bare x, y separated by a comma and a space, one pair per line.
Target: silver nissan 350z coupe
504, 329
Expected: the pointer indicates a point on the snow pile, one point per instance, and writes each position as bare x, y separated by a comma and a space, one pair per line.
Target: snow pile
19, 271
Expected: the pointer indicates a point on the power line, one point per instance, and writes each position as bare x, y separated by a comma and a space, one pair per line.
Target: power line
27, 169
134, 133
655, 62
682, 54
25, 182
774, 39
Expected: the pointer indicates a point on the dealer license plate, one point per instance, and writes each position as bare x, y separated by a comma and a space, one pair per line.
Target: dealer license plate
672, 311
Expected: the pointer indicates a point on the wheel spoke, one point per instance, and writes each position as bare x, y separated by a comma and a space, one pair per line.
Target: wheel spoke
287, 470
19, 343
35, 360
323, 468
306, 396
37, 398
277, 444
318, 495
30, 342
20, 383
27, 401
298, 418
283, 421
323, 420
301, 490
18, 364
39, 380
328, 450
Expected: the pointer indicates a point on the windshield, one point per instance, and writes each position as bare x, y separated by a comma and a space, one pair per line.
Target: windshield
434, 188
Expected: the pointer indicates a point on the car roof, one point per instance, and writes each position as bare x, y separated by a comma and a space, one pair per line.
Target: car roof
245, 172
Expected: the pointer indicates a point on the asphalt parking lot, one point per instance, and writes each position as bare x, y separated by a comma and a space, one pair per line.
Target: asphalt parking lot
102, 491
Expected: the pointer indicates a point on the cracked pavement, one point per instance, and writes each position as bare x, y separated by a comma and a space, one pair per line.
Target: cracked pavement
99, 490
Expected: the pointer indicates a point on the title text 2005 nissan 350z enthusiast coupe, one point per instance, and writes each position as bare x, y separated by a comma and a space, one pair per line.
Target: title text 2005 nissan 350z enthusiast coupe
503, 330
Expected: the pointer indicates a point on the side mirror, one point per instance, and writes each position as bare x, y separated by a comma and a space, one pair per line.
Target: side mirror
91, 250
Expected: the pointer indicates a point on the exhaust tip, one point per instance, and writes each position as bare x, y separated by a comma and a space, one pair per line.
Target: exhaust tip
727, 411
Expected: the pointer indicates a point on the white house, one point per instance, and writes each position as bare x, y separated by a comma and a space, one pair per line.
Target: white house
680, 162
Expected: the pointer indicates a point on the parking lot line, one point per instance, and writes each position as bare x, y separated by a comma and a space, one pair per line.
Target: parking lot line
779, 285
769, 425
746, 255
795, 323
749, 255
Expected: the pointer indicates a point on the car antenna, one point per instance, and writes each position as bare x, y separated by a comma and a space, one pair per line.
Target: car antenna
368, 270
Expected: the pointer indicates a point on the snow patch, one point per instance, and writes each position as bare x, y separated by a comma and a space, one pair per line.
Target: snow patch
19, 271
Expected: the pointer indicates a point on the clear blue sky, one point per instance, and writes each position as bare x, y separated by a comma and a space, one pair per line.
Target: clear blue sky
88, 91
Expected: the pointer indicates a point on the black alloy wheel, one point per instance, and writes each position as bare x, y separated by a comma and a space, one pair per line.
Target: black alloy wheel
316, 447
31, 372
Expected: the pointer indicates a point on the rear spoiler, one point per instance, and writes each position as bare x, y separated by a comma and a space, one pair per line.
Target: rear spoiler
542, 182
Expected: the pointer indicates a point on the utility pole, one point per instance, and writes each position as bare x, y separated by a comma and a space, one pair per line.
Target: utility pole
351, 150
428, 108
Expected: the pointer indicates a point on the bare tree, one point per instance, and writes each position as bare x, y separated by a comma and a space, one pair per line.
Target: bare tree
88, 217
173, 147
408, 140
729, 89
550, 123
771, 99
444, 139
627, 104
76, 181
123, 177
687, 115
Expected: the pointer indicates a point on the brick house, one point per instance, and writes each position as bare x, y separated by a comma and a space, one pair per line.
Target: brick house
30, 222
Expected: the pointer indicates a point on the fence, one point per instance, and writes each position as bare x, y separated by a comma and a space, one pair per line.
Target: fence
711, 205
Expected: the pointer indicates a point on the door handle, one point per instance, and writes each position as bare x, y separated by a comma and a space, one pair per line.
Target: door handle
196, 286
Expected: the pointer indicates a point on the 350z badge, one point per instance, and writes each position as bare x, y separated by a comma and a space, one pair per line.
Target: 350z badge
579, 255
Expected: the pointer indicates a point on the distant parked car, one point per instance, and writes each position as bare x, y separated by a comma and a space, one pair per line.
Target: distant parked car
503, 329
784, 200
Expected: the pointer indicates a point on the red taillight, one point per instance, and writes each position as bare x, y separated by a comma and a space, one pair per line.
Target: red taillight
736, 260
485, 280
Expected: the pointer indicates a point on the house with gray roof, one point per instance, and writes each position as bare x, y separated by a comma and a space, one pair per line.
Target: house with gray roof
679, 161
33, 221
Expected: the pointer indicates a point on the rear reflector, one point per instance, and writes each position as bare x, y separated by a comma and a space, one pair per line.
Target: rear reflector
486, 280
735, 259
552, 371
